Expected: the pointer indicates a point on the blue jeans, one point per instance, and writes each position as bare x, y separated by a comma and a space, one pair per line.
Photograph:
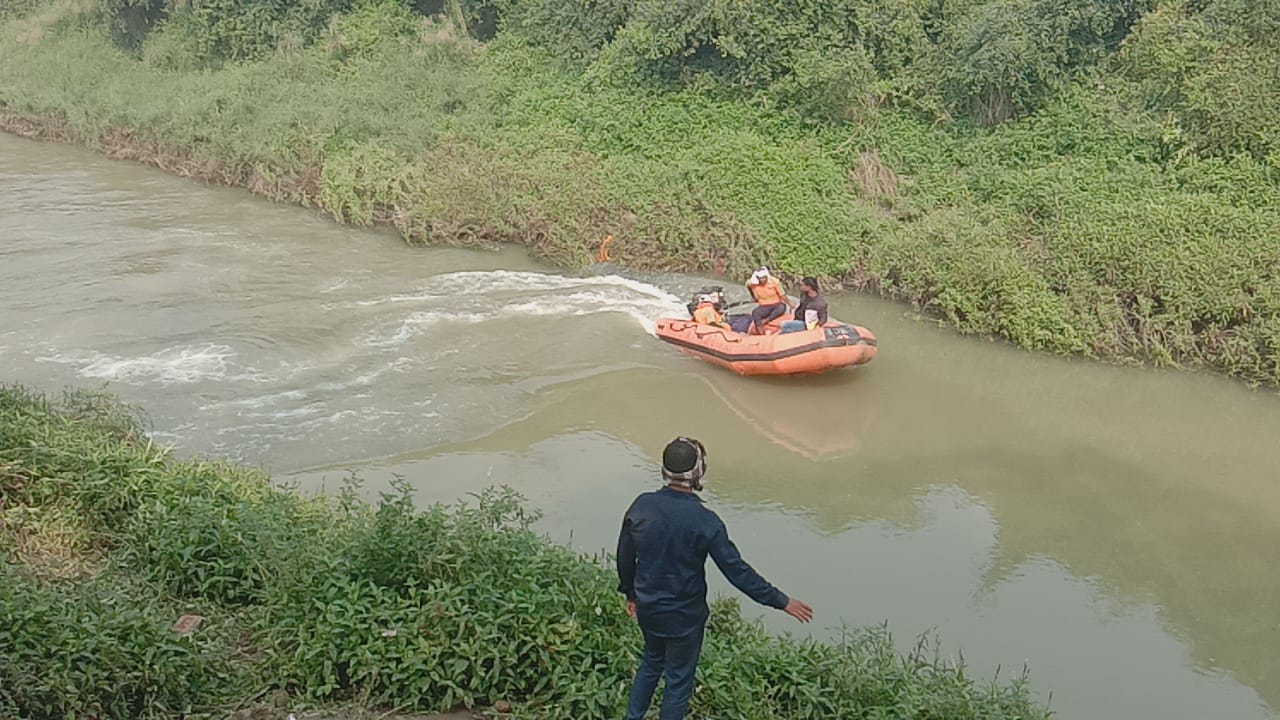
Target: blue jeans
677, 658
790, 326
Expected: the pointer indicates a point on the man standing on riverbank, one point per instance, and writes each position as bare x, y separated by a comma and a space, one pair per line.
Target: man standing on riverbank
662, 556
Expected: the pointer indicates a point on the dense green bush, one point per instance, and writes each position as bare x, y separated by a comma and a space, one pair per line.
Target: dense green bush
1006, 57
213, 532
574, 31
243, 29
17, 8
444, 607
83, 450
805, 56
1215, 68
232, 30
338, 599
102, 649
130, 21
830, 60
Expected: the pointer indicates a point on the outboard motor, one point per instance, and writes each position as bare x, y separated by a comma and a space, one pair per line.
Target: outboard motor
716, 293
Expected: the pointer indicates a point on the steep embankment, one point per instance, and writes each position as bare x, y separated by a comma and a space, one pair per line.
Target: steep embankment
1078, 223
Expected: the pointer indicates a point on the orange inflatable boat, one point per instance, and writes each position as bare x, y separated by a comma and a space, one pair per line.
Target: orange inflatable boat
807, 351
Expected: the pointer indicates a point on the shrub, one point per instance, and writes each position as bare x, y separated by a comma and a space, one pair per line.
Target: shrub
101, 649
1007, 57
575, 32
213, 532
130, 21
17, 8
84, 451
1213, 68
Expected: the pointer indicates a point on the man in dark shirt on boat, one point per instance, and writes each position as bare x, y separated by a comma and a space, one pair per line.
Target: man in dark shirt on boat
662, 556
811, 312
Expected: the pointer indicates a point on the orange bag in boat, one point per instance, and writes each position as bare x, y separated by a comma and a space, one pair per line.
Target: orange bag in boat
707, 315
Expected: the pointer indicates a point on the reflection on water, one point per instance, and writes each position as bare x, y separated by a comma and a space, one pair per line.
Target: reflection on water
817, 418
1116, 528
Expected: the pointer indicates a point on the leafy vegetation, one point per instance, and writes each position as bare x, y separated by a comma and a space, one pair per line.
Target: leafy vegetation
336, 599
1097, 178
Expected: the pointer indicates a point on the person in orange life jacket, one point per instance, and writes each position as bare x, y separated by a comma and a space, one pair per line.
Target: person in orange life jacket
771, 301
662, 556
705, 312
811, 312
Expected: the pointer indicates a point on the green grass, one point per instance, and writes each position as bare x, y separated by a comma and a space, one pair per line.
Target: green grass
1085, 227
336, 600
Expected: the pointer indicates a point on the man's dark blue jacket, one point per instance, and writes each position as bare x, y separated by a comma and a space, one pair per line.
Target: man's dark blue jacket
662, 560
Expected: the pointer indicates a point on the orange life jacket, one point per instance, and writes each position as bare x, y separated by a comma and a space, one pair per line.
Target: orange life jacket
706, 314
770, 293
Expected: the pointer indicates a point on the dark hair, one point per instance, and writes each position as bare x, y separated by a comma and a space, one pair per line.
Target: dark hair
680, 456
811, 282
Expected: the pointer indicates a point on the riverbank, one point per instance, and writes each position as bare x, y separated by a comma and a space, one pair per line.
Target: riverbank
1078, 228
197, 588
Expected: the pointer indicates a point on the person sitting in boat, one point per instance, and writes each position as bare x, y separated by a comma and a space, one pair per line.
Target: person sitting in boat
771, 301
811, 312
706, 312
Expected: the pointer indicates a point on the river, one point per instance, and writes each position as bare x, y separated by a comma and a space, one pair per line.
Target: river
1116, 529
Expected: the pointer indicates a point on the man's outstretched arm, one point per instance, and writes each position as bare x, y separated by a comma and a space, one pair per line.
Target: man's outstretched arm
746, 579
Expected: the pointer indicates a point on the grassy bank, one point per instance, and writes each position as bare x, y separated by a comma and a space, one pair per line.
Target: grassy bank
1102, 202
106, 539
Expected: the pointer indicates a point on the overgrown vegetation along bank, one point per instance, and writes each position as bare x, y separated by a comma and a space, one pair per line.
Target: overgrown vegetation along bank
106, 539
1098, 178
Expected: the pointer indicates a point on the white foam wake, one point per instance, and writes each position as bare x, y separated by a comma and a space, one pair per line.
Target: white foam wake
503, 281
175, 365
293, 401
480, 297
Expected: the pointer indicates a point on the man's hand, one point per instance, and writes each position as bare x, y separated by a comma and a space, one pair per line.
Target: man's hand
631, 609
797, 610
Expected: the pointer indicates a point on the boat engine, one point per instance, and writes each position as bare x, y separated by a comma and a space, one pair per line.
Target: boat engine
717, 294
